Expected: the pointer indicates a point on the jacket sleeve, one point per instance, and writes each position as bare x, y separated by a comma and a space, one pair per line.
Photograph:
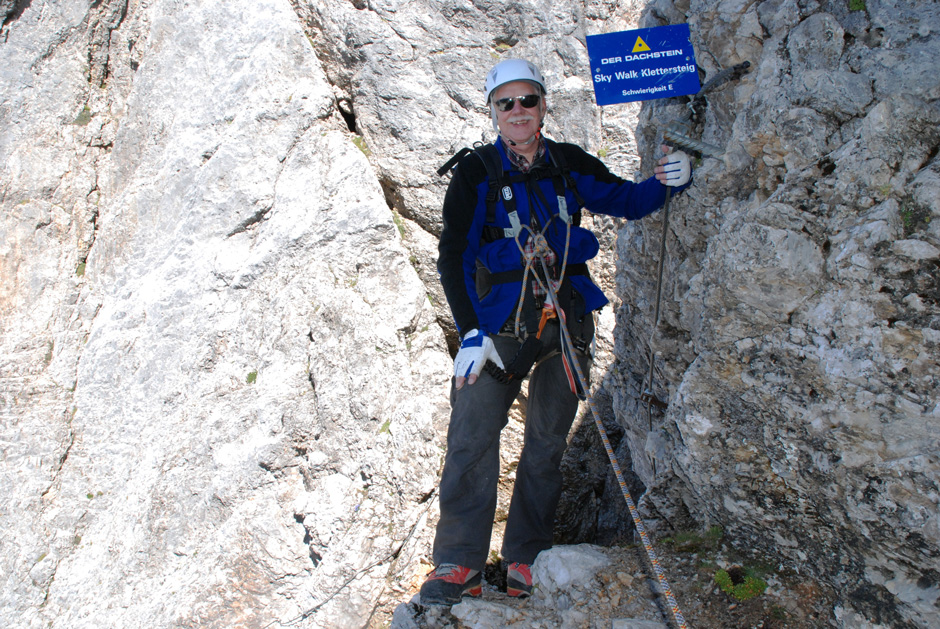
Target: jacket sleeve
606, 193
460, 240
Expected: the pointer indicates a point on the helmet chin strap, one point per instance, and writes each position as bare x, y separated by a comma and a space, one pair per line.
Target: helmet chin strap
527, 142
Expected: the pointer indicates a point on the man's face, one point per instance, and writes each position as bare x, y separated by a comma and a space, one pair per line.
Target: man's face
519, 123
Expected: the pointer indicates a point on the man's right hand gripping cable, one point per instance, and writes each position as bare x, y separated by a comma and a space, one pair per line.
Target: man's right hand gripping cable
475, 349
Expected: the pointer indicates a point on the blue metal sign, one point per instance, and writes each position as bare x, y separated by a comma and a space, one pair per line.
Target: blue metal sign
644, 64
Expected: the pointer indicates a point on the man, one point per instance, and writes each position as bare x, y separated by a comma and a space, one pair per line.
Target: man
513, 270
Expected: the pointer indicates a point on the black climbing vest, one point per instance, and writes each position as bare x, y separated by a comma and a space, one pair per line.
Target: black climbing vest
500, 188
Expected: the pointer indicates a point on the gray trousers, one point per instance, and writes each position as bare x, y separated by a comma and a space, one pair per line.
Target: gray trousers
479, 412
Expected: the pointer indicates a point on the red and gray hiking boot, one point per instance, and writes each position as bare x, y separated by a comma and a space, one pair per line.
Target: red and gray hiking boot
519, 580
448, 583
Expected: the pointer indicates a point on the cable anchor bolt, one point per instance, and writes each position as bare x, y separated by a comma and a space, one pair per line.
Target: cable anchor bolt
647, 397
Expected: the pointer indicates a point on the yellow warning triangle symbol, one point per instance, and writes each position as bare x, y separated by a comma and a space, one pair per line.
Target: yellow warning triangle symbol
640, 45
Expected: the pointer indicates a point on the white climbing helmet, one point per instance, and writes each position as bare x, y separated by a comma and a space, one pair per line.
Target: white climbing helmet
512, 70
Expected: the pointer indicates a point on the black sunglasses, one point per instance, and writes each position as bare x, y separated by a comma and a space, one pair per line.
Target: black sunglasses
528, 101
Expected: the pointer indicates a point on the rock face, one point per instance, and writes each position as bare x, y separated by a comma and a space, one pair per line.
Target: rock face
223, 348
799, 344
245, 367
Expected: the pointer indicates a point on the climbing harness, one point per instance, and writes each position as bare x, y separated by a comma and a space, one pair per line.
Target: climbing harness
551, 309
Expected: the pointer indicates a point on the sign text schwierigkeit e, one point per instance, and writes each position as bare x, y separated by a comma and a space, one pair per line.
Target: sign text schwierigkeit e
643, 64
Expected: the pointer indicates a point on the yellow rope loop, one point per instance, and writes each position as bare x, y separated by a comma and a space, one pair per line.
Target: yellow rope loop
525, 276
564, 258
540, 250
519, 246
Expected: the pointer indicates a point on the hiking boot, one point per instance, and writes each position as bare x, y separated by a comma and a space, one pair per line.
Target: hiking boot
519, 580
448, 583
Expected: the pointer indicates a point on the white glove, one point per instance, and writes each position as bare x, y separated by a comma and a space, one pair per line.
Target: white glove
678, 169
475, 350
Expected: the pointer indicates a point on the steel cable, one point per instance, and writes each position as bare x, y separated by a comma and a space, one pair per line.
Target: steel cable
677, 616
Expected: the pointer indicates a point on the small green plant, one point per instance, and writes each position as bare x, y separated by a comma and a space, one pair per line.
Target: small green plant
83, 117
913, 218
80, 270
602, 152
90, 496
714, 533
857, 5
740, 583
384, 428
907, 218
252, 377
360, 143
693, 542
399, 223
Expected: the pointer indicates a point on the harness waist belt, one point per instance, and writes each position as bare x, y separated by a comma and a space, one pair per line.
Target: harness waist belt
505, 277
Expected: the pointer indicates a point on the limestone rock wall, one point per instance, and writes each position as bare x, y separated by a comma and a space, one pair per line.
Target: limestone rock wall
799, 342
222, 382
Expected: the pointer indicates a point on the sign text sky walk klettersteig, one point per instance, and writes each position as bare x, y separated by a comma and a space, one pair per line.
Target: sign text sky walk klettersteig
643, 64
